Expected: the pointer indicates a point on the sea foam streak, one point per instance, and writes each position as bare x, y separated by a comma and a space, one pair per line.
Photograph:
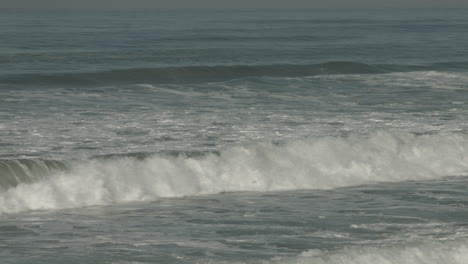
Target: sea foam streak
315, 163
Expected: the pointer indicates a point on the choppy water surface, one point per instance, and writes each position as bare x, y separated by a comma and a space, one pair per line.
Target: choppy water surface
242, 136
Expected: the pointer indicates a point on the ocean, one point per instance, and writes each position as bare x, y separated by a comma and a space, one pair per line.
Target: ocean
259, 136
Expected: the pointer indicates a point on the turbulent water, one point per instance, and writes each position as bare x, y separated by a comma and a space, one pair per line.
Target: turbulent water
234, 136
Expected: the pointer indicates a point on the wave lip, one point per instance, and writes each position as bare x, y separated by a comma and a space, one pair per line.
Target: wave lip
320, 163
195, 74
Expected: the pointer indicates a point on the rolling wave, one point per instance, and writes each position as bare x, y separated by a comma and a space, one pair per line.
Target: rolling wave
316, 163
450, 252
194, 74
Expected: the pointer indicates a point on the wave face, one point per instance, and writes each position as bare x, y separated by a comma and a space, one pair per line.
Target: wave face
428, 253
14, 172
320, 163
195, 74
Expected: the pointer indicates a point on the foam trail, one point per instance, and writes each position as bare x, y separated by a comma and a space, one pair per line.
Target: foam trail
428, 253
319, 163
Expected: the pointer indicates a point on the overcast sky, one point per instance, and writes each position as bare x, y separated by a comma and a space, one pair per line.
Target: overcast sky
142, 4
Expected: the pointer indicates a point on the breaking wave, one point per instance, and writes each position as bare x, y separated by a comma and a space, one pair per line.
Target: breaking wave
315, 163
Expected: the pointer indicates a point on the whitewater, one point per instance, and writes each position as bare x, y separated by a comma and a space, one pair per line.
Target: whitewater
234, 136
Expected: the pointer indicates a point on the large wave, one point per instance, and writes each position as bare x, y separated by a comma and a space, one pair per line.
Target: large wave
315, 163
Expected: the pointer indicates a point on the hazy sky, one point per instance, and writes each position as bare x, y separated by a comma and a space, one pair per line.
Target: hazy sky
141, 4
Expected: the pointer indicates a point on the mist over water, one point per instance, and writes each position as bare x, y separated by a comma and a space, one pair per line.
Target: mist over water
242, 136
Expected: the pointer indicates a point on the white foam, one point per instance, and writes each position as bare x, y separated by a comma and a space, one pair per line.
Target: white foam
427, 253
316, 163
174, 90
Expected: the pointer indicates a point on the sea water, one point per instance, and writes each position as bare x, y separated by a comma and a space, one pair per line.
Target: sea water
234, 136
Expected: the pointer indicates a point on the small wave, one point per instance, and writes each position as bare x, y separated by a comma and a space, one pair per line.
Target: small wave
145, 155
197, 74
450, 252
316, 163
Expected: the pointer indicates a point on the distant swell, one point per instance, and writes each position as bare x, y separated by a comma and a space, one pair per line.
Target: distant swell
193, 74
316, 163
